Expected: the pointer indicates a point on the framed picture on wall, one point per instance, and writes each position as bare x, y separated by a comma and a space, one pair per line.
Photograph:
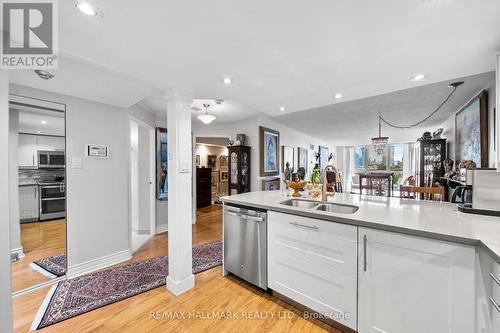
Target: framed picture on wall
269, 151
197, 160
212, 161
224, 176
471, 132
302, 158
161, 163
223, 162
271, 184
288, 158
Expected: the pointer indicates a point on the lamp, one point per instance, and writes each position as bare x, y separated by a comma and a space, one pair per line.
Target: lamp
206, 118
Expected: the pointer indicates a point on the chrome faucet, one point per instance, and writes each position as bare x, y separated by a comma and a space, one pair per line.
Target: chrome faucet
324, 180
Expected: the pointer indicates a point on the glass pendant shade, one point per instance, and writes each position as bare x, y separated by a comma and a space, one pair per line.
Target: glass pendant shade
206, 118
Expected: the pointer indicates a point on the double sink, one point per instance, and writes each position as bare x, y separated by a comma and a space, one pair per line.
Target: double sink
321, 205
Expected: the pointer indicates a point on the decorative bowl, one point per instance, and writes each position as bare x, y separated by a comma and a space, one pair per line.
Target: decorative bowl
296, 186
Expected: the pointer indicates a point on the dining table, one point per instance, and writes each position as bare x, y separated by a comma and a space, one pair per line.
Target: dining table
378, 179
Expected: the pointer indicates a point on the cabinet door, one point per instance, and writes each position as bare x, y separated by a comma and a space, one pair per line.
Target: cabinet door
50, 143
28, 202
414, 285
314, 263
28, 150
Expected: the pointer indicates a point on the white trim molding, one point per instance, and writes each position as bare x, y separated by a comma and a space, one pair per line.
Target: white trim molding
17, 252
179, 287
161, 228
98, 263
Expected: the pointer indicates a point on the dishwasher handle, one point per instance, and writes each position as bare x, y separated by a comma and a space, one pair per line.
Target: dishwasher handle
245, 217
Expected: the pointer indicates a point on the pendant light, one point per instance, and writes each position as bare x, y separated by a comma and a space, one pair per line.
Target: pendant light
380, 141
206, 118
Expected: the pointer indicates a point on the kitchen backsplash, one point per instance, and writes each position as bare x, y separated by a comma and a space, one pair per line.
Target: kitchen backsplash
40, 174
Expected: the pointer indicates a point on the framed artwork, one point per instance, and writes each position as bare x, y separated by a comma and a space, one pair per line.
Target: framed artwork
269, 151
198, 160
287, 158
212, 161
471, 132
302, 158
223, 162
215, 181
271, 184
224, 176
161, 164
323, 157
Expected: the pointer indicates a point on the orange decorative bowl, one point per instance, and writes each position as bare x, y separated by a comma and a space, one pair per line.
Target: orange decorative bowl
296, 186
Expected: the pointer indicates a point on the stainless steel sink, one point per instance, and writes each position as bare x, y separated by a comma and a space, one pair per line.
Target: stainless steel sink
338, 208
300, 203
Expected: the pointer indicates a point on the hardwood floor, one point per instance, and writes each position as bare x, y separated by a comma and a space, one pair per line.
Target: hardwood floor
160, 311
40, 240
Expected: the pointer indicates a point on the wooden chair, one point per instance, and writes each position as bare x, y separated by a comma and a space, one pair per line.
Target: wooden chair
426, 193
405, 188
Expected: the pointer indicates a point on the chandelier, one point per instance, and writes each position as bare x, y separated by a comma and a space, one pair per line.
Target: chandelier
206, 118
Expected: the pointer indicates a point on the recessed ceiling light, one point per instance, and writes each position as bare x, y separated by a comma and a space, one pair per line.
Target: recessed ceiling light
282, 108
337, 95
44, 74
227, 80
43, 122
86, 8
38, 132
418, 77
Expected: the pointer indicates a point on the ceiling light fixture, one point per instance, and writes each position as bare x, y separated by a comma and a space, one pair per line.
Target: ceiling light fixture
282, 108
38, 132
44, 74
86, 8
337, 96
206, 118
43, 122
418, 77
227, 80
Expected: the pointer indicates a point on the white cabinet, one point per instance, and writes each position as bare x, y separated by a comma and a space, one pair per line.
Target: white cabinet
495, 298
28, 150
50, 143
314, 263
28, 203
413, 285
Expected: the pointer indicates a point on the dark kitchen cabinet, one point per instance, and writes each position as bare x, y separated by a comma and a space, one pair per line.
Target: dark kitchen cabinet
203, 187
239, 169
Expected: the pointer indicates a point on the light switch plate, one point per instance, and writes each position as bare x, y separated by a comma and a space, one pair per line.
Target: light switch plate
76, 163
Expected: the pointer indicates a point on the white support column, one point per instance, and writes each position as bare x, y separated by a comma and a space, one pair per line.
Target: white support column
5, 278
180, 277
497, 82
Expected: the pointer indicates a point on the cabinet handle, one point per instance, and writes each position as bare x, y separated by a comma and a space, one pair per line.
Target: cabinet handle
34, 192
313, 227
495, 278
495, 304
33, 158
364, 252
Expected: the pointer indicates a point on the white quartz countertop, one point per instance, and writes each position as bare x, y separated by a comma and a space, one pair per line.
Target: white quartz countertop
429, 219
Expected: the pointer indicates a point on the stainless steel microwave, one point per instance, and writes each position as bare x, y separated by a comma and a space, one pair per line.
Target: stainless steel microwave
51, 159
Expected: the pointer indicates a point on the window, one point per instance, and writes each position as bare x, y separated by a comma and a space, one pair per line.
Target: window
396, 157
377, 158
359, 158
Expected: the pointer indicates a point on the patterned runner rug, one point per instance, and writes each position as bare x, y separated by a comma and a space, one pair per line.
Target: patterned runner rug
55, 265
73, 297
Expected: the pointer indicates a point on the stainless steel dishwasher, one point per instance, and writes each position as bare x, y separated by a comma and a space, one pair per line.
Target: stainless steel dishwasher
245, 244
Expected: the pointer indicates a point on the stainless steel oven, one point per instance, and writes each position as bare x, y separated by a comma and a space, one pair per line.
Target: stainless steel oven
51, 159
52, 200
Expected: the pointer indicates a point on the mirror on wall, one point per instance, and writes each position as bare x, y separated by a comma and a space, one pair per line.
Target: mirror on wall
37, 158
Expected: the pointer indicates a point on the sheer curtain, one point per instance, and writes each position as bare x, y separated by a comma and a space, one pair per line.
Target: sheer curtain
408, 161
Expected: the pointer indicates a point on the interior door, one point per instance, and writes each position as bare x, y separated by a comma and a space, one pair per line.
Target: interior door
144, 178
414, 285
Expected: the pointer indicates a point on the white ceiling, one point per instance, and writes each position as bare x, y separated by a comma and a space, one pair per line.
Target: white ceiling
356, 122
282, 52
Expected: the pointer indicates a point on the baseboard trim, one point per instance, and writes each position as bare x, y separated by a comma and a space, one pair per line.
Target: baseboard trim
143, 231
98, 263
17, 252
179, 287
161, 228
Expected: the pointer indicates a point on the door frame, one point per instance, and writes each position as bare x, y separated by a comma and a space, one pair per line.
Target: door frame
193, 166
152, 175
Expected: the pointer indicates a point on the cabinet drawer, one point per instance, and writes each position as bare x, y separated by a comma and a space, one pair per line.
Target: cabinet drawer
316, 243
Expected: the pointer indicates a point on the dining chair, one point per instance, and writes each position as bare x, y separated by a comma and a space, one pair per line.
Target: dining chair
426, 193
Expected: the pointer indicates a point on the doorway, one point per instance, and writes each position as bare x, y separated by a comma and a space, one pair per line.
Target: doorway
142, 189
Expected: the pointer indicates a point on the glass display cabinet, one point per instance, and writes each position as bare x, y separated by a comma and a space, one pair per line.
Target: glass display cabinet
239, 169
429, 157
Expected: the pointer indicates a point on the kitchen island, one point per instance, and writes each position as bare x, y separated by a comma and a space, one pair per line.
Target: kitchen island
379, 264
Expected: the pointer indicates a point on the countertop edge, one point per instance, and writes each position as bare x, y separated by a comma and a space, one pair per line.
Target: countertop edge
372, 225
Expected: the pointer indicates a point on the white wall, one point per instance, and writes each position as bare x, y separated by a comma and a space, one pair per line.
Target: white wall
134, 175
5, 274
250, 127
449, 127
97, 196
15, 227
